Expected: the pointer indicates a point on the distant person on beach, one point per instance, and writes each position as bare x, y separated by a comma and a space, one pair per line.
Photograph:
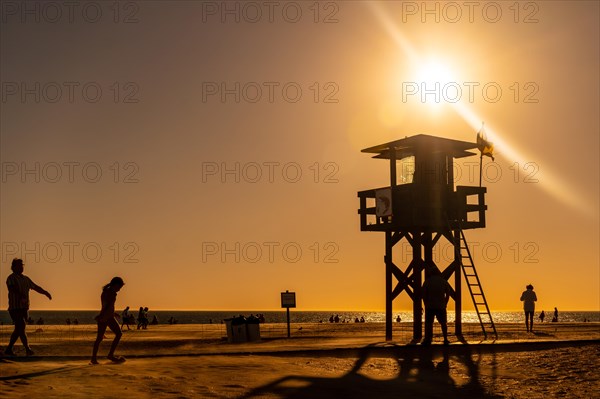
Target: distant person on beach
125, 318
18, 304
398, 319
336, 319
106, 318
154, 321
529, 298
436, 293
143, 318
542, 316
555, 318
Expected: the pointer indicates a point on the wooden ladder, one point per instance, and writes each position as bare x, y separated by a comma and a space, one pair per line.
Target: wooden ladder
475, 288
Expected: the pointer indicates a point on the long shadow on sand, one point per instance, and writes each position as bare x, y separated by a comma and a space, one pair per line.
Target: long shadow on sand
419, 377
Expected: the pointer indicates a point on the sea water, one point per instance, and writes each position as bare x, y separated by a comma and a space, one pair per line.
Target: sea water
296, 316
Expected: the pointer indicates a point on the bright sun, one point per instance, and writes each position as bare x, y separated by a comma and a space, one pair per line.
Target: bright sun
432, 79
435, 72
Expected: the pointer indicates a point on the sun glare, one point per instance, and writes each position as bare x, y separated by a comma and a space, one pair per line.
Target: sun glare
435, 72
433, 78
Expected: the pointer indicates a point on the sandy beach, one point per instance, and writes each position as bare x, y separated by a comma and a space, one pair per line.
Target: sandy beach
318, 361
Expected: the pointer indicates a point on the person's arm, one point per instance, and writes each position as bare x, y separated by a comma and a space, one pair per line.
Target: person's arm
39, 289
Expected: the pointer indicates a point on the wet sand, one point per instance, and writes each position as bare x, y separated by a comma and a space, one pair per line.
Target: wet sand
319, 361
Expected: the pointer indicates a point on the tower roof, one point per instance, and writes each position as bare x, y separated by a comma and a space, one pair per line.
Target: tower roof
422, 143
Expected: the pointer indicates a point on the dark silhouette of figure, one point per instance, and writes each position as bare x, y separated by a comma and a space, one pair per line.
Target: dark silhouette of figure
76, 322
125, 318
336, 319
18, 304
155, 321
40, 322
143, 318
398, 319
555, 318
542, 316
68, 321
362, 319
436, 293
331, 319
106, 318
529, 298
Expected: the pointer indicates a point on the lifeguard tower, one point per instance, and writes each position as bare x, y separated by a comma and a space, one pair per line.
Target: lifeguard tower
423, 206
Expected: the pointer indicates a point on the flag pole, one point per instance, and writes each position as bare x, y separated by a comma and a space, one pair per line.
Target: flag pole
480, 167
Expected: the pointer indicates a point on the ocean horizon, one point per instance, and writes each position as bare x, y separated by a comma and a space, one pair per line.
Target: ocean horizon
59, 317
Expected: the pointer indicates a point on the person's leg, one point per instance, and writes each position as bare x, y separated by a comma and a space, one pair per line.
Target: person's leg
442, 318
526, 322
429, 315
531, 321
19, 320
99, 336
114, 326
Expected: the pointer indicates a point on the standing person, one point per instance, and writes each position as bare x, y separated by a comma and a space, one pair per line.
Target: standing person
18, 304
125, 318
555, 318
542, 316
529, 298
106, 318
436, 293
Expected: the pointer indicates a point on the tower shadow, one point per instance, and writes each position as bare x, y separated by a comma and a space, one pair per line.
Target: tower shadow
423, 373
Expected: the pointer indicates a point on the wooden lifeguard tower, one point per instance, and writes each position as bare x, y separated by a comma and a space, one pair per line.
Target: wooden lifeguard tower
423, 206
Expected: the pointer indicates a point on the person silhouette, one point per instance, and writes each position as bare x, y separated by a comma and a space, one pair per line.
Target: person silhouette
529, 298
125, 318
106, 318
542, 316
555, 318
18, 304
436, 293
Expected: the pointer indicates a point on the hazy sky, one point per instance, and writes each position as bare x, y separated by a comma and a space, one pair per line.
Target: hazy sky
209, 153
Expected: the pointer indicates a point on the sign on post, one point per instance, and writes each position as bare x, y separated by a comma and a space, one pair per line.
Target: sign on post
288, 300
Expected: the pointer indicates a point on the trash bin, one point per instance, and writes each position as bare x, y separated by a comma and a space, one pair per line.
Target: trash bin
253, 329
236, 329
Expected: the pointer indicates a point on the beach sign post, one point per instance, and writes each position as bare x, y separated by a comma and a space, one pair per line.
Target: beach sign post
423, 206
288, 300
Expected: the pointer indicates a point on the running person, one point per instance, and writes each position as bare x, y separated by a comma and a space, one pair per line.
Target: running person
106, 318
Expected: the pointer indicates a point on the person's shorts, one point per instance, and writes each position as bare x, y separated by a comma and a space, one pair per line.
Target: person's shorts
439, 314
18, 315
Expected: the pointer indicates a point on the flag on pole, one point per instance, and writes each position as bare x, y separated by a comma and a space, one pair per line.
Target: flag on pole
484, 145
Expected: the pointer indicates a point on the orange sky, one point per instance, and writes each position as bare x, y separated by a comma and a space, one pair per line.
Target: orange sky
213, 163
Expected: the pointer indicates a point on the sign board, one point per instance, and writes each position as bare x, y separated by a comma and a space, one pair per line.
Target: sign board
288, 299
383, 202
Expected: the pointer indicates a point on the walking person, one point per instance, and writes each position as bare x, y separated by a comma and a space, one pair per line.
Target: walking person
106, 318
436, 293
18, 304
529, 298
125, 318
542, 316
